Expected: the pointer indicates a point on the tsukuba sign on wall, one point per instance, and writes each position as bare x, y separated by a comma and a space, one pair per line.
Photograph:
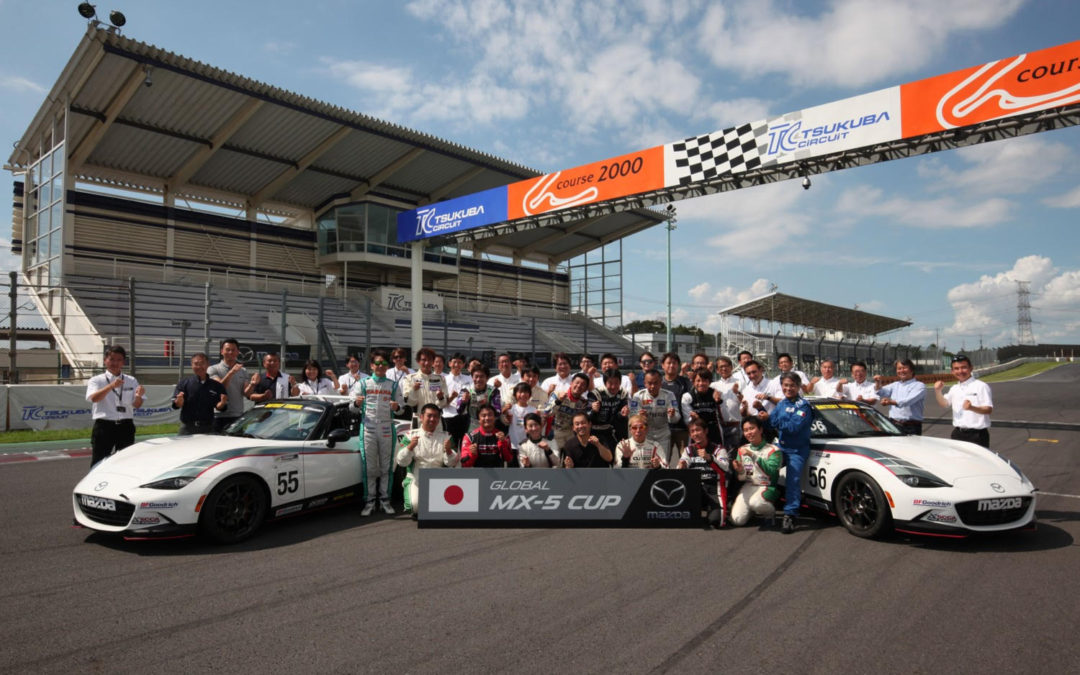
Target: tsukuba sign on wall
1018, 85
397, 299
562, 497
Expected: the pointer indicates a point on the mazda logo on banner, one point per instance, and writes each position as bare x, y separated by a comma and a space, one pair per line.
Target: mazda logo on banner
668, 493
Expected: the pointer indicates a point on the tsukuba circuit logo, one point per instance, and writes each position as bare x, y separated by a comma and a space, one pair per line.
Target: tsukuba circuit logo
430, 221
454, 495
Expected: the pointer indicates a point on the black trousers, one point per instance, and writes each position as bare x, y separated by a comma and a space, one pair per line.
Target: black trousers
196, 427
909, 427
220, 423
976, 436
108, 436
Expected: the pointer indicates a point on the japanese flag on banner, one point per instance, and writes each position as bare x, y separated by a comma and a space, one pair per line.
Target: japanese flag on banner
454, 495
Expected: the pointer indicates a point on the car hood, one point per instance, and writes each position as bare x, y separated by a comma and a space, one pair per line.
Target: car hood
151, 458
947, 459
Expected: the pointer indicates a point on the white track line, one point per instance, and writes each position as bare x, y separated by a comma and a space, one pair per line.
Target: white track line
1058, 494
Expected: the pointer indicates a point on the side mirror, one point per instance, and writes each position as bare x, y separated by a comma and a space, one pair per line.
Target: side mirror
337, 436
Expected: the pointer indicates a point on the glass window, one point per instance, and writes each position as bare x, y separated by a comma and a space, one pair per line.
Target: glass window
46, 193
56, 242
43, 225
350, 221
58, 186
57, 219
54, 272
46, 167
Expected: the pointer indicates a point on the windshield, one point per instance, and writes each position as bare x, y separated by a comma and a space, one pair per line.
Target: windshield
278, 421
842, 420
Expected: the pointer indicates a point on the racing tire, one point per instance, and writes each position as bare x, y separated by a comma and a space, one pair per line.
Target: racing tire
861, 506
234, 510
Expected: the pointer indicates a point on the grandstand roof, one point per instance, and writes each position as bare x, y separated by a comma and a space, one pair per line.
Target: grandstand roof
780, 308
146, 119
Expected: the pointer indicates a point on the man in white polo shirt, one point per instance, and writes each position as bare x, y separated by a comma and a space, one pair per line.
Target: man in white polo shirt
970, 401
114, 397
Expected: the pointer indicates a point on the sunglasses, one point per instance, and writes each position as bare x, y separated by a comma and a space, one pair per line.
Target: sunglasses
380, 363
647, 362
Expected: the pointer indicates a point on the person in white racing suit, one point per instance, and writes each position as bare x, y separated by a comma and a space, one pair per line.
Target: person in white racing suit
660, 407
376, 399
758, 467
638, 451
428, 447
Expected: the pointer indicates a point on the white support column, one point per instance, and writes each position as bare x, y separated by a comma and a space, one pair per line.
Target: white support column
417, 284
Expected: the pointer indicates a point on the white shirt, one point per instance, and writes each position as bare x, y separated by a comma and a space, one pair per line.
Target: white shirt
729, 400
803, 379
517, 424
826, 388
506, 386
123, 397
455, 384
348, 380
322, 385
853, 390
395, 375
976, 391
561, 383
750, 392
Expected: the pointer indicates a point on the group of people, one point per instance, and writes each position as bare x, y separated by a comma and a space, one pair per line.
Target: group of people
730, 423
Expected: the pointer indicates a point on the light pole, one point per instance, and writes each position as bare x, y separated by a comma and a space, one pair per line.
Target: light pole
669, 226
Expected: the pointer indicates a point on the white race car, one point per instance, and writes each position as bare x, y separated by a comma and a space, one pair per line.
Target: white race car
278, 459
874, 479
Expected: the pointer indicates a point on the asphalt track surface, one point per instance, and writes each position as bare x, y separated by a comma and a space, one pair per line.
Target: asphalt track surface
336, 593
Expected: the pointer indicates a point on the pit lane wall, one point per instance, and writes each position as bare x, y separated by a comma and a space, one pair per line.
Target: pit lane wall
1018, 85
62, 406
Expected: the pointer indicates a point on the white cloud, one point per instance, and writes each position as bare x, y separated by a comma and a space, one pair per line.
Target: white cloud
870, 203
851, 44
987, 307
20, 84
395, 93
1017, 166
1069, 200
281, 47
753, 221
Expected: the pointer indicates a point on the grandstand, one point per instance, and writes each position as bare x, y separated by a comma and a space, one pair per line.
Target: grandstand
165, 212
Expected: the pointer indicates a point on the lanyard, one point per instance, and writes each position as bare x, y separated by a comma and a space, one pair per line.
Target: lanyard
119, 393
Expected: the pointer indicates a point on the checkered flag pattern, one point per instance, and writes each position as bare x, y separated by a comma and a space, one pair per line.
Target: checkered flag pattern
705, 157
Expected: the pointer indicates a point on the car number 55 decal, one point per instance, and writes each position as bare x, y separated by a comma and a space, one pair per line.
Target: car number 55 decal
287, 482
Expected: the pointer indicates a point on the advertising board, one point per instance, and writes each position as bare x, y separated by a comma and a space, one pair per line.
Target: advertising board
565, 498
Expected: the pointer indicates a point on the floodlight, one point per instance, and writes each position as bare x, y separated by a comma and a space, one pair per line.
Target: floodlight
87, 11
117, 18
806, 183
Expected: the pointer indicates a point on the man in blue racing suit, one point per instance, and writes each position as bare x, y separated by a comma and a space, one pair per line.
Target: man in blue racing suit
791, 418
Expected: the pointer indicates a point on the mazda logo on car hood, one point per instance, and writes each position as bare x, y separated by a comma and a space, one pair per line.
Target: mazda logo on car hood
668, 493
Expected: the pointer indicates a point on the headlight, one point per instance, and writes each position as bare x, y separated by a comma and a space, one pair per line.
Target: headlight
174, 483
922, 480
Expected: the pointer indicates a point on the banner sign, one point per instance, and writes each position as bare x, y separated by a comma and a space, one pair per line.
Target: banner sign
60, 406
1019, 85
397, 299
1022, 84
560, 497
612, 178
453, 215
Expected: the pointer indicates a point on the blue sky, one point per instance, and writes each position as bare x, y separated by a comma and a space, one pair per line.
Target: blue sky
938, 239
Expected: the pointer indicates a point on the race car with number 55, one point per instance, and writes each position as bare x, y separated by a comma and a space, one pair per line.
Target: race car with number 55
875, 479
280, 458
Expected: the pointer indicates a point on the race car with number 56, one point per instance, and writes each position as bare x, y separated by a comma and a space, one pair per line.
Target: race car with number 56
875, 479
